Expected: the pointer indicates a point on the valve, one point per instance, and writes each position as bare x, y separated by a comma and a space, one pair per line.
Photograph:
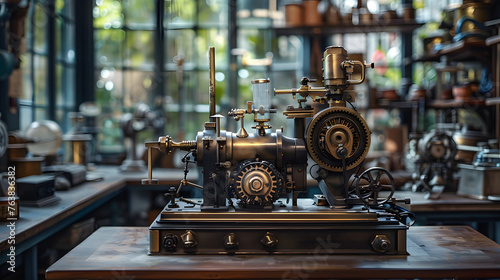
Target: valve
189, 239
230, 241
269, 240
381, 243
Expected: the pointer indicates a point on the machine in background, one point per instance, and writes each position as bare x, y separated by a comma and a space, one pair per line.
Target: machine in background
252, 181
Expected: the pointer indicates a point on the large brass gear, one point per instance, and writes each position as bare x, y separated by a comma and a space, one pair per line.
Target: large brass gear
257, 183
334, 126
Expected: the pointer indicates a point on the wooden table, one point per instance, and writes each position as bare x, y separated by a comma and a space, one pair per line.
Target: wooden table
434, 252
36, 224
452, 209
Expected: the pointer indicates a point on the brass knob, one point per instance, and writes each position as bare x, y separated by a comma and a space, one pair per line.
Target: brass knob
230, 241
189, 239
269, 240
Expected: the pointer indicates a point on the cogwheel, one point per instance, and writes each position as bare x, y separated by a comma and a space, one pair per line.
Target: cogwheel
257, 183
334, 126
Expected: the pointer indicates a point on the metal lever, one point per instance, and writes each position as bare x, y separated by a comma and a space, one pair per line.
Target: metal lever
165, 145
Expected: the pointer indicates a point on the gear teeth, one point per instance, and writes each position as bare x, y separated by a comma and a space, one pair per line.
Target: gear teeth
274, 188
328, 117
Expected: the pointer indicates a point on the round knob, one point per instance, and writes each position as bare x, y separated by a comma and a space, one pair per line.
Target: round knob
170, 242
381, 243
189, 239
269, 240
230, 241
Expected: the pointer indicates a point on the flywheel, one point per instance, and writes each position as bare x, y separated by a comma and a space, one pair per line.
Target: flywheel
333, 128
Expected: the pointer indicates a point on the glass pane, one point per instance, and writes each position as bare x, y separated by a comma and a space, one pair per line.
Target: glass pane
139, 13
58, 34
201, 95
254, 41
139, 50
40, 114
137, 85
108, 14
212, 13
62, 119
285, 80
25, 117
109, 88
384, 50
27, 91
64, 85
110, 140
64, 9
254, 13
59, 6
355, 43
59, 95
286, 49
40, 23
179, 13
108, 47
40, 63
172, 127
65, 41
212, 38
180, 43
171, 86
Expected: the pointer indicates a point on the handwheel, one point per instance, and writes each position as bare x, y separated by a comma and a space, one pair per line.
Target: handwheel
375, 186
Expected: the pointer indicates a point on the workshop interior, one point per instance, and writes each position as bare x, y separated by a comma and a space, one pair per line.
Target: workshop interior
245, 128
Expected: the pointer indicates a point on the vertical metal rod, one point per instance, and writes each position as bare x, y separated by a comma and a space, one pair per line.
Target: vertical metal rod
217, 126
150, 164
211, 73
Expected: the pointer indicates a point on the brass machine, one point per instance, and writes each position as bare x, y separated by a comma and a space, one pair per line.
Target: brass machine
250, 178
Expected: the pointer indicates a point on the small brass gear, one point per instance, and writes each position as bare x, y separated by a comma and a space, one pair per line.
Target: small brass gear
348, 127
257, 183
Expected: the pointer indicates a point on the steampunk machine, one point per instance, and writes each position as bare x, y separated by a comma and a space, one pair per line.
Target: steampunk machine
252, 181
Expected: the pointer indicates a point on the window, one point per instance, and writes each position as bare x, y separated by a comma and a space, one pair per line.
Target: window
134, 63
48, 64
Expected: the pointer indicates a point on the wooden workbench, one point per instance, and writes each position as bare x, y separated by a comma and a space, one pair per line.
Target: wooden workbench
447, 202
37, 224
452, 209
35, 220
434, 252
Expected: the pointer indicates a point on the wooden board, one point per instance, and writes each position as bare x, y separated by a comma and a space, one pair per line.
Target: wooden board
435, 252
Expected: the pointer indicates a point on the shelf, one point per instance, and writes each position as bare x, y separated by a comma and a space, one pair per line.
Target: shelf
397, 26
493, 101
452, 103
393, 104
466, 50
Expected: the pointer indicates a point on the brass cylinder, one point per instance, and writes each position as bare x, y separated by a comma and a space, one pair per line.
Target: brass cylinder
333, 74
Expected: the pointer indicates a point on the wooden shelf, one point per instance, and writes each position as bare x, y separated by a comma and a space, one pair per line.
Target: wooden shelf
466, 50
452, 103
396, 104
397, 26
